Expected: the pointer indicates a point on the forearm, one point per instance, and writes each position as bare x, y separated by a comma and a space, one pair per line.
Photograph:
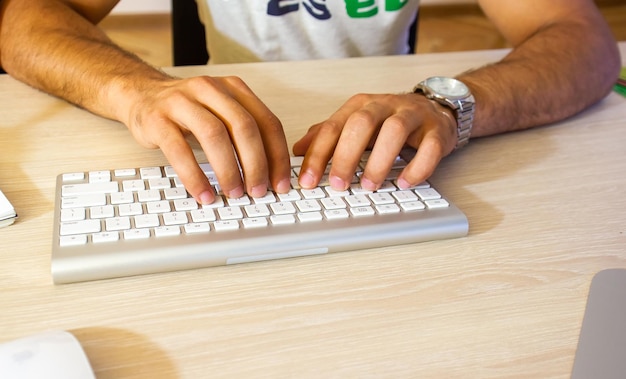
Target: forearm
554, 74
51, 47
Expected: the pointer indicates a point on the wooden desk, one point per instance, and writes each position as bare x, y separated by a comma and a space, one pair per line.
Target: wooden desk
547, 210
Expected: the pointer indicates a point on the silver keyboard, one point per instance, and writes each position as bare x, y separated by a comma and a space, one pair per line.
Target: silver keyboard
124, 222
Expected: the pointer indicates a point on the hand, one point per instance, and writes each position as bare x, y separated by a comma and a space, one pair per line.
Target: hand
230, 123
384, 123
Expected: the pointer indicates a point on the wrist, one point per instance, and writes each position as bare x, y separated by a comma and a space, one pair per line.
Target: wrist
126, 97
456, 96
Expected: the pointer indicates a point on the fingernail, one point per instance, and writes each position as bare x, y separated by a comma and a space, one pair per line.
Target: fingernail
258, 191
283, 186
403, 184
307, 180
206, 197
337, 183
368, 184
235, 193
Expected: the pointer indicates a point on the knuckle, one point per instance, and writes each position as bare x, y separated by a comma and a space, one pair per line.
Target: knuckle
396, 125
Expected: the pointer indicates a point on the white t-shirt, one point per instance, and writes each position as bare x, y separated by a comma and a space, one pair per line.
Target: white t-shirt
272, 30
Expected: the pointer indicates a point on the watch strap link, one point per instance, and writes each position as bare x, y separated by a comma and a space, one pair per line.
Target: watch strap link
465, 119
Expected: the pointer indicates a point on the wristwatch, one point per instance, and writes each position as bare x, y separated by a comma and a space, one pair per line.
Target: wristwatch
455, 95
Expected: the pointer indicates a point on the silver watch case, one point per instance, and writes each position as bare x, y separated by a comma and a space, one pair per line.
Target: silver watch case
455, 95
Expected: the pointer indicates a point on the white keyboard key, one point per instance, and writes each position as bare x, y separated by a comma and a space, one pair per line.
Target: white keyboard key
238, 202
207, 168
166, 231
394, 173
284, 207
79, 227
294, 183
72, 214
122, 198
147, 221
133, 185
254, 222
419, 186
125, 172
175, 218
310, 216
82, 201
333, 203
257, 210
203, 215
436, 203
282, 219
88, 188
219, 202
313, 193
357, 201
148, 195
296, 161
268, 198
131, 209
362, 211
178, 183
292, 195
75, 240
99, 176
158, 206
308, 206
103, 211
150, 172
404, 196
357, 189
387, 208
73, 176
197, 228
212, 178
136, 234
387, 186
159, 183
335, 214
175, 193
427, 194
117, 223
226, 225
230, 213
413, 205
185, 204
335, 193
169, 172
105, 237
379, 198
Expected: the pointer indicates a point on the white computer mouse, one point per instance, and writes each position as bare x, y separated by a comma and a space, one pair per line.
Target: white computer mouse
49, 355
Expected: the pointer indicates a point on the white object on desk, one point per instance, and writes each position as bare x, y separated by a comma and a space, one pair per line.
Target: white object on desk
49, 355
7, 212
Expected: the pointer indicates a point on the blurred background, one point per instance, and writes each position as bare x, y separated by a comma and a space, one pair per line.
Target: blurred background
144, 27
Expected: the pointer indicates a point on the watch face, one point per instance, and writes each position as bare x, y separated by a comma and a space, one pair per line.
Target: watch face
448, 87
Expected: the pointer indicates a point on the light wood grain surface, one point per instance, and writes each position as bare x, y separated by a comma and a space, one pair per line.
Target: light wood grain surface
546, 209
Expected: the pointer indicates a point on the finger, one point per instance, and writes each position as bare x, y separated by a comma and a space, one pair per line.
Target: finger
391, 139
302, 145
214, 138
229, 126
423, 165
322, 140
360, 129
272, 137
178, 153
